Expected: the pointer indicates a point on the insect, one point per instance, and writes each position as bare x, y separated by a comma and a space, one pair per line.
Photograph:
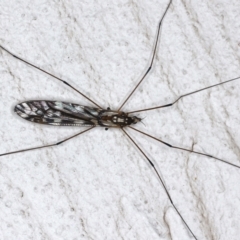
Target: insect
146, 208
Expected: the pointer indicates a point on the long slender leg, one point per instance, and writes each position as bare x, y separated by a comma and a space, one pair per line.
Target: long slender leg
184, 149
184, 95
161, 180
153, 56
45, 146
30, 64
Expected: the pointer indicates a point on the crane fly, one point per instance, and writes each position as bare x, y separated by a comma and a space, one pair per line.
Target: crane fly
61, 113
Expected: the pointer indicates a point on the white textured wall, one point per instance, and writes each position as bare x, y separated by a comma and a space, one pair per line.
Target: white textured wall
99, 186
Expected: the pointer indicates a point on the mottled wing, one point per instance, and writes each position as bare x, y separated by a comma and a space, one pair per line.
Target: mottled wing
58, 113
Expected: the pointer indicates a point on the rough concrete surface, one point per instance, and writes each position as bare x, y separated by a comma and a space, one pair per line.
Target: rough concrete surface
99, 186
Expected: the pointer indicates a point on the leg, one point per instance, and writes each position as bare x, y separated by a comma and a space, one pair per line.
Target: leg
45, 146
184, 95
184, 149
59, 79
162, 182
153, 56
